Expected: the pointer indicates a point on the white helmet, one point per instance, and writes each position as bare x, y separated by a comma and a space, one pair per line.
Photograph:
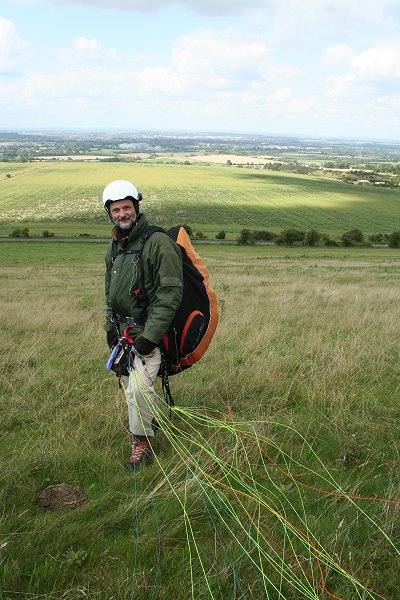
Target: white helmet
119, 190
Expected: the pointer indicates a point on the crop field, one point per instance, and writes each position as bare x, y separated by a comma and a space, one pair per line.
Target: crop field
306, 358
66, 198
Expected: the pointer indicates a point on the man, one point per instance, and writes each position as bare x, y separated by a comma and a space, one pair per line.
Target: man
144, 293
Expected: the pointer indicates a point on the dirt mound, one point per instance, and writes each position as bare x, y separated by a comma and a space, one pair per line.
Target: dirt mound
61, 495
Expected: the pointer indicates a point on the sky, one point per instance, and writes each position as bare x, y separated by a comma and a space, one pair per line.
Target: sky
320, 68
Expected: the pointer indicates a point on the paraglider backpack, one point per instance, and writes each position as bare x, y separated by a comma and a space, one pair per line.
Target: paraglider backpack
195, 321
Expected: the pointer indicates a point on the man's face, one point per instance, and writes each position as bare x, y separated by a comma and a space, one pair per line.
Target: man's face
123, 213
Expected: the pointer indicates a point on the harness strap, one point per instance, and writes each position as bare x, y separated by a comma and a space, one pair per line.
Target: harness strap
166, 390
128, 320
116, 251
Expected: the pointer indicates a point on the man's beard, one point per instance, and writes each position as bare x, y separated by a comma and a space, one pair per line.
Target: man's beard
126, 224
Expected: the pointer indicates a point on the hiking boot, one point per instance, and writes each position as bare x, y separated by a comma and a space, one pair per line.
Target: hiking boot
141, 452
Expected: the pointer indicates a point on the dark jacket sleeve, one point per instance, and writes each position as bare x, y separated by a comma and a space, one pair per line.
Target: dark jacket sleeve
107, 279
163, 283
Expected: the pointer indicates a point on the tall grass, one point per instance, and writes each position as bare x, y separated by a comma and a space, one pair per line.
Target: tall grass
306, 349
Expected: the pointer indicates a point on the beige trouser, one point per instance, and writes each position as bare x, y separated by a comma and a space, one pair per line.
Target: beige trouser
141, 397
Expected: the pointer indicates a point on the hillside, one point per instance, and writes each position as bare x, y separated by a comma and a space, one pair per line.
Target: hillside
278, 476
67, 198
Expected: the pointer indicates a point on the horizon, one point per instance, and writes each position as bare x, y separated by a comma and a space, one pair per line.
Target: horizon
174, 133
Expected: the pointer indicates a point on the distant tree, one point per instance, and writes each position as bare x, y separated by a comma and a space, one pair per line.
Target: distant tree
355, 235
263, 236
377, 238
274, 166
245, 238
188, 230
16, 233
289, 236
330, 242
394, 239
221, 235
25, 232
199, 235
312, 237
48, 234
347, 241
228, 163
8, 175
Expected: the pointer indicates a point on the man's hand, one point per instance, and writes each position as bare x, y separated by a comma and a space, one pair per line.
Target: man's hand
121, 368
143, 345
112, 339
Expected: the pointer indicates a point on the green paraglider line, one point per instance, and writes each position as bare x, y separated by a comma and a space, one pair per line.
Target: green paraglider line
158, 549
135, 554
215, 473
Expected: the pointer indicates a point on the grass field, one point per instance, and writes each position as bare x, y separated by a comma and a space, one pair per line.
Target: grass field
66, 198
307, 343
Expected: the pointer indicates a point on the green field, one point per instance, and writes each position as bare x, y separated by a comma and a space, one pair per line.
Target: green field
66, 198
307, 345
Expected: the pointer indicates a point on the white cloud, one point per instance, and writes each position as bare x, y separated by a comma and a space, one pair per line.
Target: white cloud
225, 52
94, 84
219, 68
12, 46
298, 26
86, 50
8, 94
160, 82
339, 55
208, 59
370, 73
382, 62
281, 95
213, 71
342, 85
390, 102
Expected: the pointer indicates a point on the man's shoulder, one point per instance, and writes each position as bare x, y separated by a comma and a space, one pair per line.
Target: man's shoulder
158, 237
160, 242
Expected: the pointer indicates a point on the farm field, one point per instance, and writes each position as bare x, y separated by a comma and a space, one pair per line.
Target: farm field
306, 356
66, 198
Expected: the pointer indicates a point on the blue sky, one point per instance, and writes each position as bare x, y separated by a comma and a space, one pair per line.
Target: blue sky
311, 67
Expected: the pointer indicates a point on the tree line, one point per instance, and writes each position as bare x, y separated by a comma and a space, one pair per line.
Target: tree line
313, 237
287, 237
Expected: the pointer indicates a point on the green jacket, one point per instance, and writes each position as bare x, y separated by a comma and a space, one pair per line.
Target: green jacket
162, 268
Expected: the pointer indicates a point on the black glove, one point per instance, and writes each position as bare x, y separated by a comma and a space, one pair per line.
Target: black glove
143, 345
121, 368
112, 339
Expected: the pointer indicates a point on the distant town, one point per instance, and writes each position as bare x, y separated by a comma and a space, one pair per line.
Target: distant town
357, 162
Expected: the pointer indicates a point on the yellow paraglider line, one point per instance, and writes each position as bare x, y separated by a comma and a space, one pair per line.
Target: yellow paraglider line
234, 493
